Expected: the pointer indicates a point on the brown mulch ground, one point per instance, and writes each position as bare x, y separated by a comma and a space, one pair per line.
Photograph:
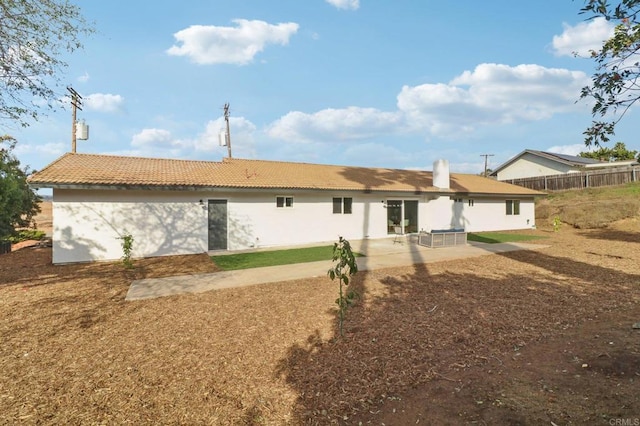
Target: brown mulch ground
529, 337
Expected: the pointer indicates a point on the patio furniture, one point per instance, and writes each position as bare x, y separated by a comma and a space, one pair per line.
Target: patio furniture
442, 238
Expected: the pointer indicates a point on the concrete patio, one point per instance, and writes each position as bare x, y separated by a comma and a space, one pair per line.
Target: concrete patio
378, 254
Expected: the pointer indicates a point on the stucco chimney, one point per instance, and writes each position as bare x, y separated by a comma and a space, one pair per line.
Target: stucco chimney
441, 174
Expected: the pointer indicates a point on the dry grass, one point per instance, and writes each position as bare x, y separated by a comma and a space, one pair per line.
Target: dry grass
74, 352
592, 208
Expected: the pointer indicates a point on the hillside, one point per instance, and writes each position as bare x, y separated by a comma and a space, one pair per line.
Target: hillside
608, 207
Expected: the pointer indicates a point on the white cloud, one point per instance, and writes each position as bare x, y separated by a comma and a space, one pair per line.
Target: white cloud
582, 38
573, 149
47, 149
84, 77
491, 94
230, 45
242, 137
104, 102
332, 125
159, 142
345, 4
156, 142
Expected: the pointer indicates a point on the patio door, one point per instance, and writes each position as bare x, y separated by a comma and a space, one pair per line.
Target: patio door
217, 224
403, 214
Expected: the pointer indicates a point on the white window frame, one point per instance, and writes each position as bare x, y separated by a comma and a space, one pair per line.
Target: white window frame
512, 207
343, 205
285, 199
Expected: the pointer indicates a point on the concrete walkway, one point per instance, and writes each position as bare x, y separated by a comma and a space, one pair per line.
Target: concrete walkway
379, 253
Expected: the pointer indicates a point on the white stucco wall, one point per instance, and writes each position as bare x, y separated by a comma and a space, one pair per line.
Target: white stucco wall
255, 221
490, 215
87, 224
530, 165
486, 214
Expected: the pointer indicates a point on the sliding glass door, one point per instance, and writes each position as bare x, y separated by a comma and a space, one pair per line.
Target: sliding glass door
402, 214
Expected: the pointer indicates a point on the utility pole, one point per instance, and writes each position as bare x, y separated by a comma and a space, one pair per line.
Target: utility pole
226, 118
486, 156
76, 103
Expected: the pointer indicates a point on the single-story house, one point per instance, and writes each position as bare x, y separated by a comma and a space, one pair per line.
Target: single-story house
532, 163
175, 207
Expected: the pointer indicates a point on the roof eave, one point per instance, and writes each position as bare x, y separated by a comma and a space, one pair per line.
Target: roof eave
201, 188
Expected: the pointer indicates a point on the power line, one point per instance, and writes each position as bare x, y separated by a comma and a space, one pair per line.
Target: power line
228, 135
76, 103
486, 156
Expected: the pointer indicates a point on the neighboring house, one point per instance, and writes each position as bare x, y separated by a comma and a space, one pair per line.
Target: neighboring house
182, 207
531, 163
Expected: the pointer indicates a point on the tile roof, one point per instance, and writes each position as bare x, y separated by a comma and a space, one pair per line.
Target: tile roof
87, 170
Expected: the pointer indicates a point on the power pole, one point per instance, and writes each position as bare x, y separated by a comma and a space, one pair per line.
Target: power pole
486, 156
226, 118
76, 103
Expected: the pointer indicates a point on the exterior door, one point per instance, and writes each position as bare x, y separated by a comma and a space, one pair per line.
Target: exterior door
394, 215
402, 214
217, 224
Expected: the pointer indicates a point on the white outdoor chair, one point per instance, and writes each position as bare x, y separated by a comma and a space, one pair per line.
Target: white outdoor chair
397, 230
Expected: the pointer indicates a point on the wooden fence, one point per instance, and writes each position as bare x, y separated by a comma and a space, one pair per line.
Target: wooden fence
580, 180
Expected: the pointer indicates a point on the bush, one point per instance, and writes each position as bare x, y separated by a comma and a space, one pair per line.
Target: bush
27, 234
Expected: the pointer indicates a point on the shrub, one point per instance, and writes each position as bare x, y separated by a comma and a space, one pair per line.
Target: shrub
27, 234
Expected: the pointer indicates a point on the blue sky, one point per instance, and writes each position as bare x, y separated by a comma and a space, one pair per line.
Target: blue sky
355, 82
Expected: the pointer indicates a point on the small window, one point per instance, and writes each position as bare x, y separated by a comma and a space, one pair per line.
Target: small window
471, 203
284, 202
347, 205
513, 207
342, 205
337, 205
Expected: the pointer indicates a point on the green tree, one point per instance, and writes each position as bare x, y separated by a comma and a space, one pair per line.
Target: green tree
619, 152
614, 85
345, 267
33, 36
18, 202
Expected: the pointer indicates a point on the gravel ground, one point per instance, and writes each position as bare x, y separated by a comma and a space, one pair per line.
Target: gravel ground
518, 338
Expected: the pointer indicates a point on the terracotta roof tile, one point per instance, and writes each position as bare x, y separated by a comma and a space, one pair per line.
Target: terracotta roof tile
104, 170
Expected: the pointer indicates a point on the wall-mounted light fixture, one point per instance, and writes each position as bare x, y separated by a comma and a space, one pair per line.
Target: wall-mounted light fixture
201, 203
384, 204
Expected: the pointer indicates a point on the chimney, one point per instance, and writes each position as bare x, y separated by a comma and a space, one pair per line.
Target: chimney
441, 174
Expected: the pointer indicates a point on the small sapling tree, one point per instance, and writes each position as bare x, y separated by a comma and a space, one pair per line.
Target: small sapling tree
345, 267
127, 248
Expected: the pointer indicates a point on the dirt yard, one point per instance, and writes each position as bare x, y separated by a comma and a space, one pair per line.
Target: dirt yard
529, 337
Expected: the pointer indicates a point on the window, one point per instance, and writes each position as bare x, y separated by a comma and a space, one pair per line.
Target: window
513, 207
284, 201
347, 202
342, 205
471, 203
